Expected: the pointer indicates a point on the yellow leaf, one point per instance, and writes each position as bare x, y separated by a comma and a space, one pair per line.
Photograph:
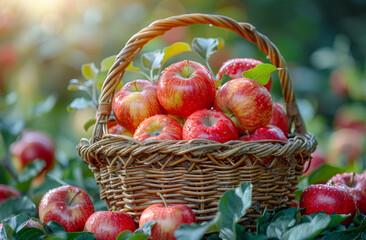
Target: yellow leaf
175, 49
130, 67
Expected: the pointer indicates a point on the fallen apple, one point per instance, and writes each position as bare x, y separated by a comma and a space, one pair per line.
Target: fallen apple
68, 205
107, 225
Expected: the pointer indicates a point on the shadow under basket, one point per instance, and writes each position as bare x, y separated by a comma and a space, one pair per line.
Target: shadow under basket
130, 173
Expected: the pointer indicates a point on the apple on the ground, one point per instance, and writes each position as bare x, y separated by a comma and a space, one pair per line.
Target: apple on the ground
246, 102
328, 198
107, 225
32, 145
185, 87
235, 67
7, 192
168, 218
134, 102
68, 205
210, 125
158, 127
356, 185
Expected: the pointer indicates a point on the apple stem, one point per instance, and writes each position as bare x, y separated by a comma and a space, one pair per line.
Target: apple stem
186, 70
72, 199
114, 208
162, 198
352, 179
134, 83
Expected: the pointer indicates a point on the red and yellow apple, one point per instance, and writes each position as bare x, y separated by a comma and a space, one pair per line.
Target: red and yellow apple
185, 87
158, 127
107, 225
168, 218
115, 128
210, 125
134, 102
68, 205
246, 102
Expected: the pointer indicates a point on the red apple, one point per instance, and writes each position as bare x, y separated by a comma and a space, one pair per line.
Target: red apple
134, 102
328, 198
317, 159
168, 218
211, 125
115, 128
185, 87
235, 68
279, 118
246, 102
356, 185
68, 205
159, 127
345, 146
265, 133
32, 145
7, 192
107, 225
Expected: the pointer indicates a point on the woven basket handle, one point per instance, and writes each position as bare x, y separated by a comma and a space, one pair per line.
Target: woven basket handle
157, 28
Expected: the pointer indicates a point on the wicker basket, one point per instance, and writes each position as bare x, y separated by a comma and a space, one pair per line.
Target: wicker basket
197, 172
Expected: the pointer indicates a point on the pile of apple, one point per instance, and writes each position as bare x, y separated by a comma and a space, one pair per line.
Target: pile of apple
186, 104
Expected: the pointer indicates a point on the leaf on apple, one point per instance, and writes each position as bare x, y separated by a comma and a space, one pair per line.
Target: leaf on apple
205, 47
225, 78
260, 73
107, 63
175, 49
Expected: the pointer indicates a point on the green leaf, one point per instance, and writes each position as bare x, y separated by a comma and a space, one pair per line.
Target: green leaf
196, 231
45, 106
324, 173
308, 230
278, 227
53, 227
124, 235
146, 228
89, 123
18, 222
175, 49
267, 218
79, 103
225, 78
6, 231
89, 71
152, 60
80, 236
205, 47
14, 206
30, 234
260, 73
107, 63
10, 129
233, 206
29, 173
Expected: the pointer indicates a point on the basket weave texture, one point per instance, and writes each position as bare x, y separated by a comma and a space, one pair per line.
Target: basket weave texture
130, 173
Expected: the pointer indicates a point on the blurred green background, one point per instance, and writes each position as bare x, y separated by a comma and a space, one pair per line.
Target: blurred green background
44, 43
